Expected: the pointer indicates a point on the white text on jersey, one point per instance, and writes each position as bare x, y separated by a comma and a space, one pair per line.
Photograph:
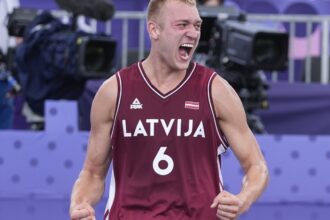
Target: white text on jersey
140, 128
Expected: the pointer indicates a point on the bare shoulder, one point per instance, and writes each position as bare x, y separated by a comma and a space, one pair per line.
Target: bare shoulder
225, 99
104, 102
109, 87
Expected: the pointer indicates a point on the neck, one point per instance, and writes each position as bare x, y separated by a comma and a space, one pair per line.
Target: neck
161, 75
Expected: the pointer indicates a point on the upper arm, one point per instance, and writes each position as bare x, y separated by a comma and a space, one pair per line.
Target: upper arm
232, 121
99, 152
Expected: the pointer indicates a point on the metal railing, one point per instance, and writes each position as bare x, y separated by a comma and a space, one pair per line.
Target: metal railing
293, 20
290, 20
125, 16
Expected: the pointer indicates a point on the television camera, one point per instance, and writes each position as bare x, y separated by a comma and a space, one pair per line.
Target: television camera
240, 51
94, 52
55, 59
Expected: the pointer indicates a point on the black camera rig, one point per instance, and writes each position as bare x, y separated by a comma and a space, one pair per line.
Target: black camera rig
240, 51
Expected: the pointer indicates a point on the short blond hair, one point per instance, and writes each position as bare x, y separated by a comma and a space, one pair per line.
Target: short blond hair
154, 6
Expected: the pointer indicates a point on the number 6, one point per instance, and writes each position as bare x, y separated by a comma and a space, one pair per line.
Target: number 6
161, 156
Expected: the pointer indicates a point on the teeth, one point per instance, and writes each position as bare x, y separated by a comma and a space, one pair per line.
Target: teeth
187, 45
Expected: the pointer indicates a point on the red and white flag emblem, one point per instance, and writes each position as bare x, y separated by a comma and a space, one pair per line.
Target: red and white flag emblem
191, 105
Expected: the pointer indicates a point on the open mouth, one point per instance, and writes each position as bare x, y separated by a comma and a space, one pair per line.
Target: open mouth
185, 49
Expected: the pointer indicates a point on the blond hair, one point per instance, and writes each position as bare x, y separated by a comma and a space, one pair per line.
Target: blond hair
154, 6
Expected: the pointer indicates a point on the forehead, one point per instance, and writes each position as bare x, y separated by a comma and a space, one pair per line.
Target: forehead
177, 10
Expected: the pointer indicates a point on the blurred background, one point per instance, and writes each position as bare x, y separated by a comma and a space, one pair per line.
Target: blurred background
54, 55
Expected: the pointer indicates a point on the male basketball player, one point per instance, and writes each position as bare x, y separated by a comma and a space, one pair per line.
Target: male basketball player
163, 122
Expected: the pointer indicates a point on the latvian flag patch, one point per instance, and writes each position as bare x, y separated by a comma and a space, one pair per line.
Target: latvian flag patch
191, 105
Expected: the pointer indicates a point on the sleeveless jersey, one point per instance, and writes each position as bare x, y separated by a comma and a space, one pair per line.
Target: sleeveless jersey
165, 149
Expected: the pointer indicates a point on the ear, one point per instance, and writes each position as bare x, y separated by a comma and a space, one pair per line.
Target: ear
153, 30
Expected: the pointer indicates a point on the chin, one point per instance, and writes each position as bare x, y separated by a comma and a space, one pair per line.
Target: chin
183, 65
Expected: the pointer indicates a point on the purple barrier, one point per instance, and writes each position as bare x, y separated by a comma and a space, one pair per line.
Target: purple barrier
40, 4
234, 4
46, 163
301, 7
38, 170
285, 6
297, 165
323, 6
46, 209
262, 7
297, 108
35, 208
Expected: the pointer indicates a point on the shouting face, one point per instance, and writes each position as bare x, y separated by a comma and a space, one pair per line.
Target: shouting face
175, 33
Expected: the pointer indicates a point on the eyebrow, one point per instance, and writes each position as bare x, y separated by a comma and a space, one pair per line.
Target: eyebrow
189, 21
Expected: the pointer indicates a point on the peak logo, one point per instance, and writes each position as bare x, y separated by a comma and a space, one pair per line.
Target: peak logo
136, 104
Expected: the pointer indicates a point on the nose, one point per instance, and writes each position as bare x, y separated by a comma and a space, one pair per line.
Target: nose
193, 33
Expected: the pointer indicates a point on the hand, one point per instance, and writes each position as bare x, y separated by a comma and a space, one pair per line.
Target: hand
228, 206
83, 211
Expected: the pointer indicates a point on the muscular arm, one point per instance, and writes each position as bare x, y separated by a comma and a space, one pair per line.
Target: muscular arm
89, 187
232, 120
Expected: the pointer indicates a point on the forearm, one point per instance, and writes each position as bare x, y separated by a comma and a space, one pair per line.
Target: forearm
88, 188
254, 183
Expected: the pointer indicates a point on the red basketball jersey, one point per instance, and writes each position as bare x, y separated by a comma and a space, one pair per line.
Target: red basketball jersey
165, 149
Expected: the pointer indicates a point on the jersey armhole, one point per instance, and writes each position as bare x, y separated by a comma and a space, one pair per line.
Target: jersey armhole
224, 143
118, 100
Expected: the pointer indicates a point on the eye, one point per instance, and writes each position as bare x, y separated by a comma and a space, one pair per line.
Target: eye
198, 26
182, 25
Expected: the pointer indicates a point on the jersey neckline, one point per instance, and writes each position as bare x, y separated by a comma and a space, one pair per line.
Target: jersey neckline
188, 75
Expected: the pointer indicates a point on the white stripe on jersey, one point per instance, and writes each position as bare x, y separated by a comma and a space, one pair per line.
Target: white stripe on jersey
220, 176
155, 91
118, 104
112, 192
222, 145
112, 189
